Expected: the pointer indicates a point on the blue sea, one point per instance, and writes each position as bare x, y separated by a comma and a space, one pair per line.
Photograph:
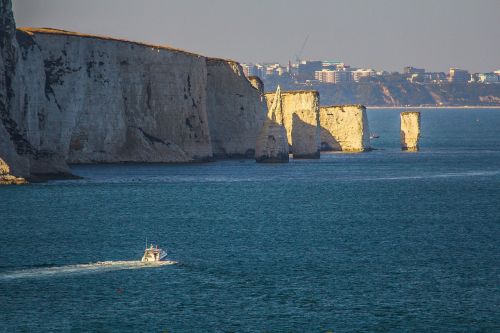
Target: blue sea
384, 241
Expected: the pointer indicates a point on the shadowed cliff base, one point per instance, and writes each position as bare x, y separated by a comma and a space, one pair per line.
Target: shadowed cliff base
44, 177
328, 141
272, 144
249, 154
279, 158
305, 138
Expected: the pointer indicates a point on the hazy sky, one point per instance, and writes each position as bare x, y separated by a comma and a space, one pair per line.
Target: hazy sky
381, 34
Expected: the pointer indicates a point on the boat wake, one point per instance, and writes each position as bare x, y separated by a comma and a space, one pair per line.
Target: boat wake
98, 267
443, 175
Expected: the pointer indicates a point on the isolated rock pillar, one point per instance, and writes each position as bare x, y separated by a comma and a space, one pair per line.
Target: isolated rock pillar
272, 143
344, 128
410, 131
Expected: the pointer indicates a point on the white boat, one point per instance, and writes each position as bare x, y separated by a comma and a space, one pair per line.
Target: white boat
153, 254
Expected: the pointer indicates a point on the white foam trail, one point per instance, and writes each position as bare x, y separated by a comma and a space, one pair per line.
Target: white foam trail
98, 267
444, 175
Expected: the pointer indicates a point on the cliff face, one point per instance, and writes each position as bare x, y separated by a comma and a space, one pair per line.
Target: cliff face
344, 128
272, 143
410, 130
14, 147
301, 120
73, 98
257, 83
236, 110
113, 101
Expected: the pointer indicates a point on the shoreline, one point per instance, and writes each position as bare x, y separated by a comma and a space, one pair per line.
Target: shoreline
433, 107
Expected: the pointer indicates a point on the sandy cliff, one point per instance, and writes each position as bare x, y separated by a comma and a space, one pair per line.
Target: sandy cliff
301, 120
344, 128
410, 131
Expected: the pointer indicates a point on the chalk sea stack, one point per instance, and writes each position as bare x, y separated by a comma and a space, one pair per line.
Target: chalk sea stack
301, 121
410, 131
272, 143
344, 128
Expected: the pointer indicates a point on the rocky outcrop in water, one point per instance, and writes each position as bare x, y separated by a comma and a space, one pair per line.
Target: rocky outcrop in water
272, 143
344, 128
73, 98
410, 131
301, 120
6, 178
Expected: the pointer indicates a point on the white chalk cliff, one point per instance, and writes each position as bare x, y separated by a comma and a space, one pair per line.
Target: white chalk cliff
301, 120
236, 109
272, 143
344, 128
74, 98
410, 131
110, 101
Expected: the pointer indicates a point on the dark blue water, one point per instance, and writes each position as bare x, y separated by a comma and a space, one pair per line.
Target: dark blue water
374, 242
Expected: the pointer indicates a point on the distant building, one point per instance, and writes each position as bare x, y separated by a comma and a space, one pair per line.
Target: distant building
334, 77
253, 70
360, 73
409, 70
428, 77
488, 78
325, 76
249, 70
275, 70
458, 75
306, 70
335, 65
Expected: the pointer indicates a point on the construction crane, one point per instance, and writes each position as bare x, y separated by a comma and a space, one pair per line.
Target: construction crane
298, 56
